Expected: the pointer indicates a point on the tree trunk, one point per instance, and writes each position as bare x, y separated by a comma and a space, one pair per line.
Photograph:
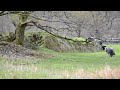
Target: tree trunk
21, 29
20, 34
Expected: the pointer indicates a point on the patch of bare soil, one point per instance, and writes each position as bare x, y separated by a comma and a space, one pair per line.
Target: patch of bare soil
15, 52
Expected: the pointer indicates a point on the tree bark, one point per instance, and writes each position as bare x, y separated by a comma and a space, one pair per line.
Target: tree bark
21, 29
20, 34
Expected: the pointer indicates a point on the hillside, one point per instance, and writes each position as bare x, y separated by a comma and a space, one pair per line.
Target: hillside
64, 66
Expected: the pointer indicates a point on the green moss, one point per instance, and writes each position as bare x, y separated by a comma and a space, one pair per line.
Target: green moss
79, 39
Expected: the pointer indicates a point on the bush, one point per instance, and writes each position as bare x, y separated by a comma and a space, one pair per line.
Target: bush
33, 41
8, 37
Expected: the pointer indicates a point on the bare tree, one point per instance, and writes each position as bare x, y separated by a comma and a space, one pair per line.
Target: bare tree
23, 22
63, 23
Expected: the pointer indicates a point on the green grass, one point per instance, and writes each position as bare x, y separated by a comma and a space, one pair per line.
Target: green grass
62, 65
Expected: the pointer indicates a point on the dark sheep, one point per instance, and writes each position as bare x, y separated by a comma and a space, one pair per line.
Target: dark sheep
110, 51
103, 47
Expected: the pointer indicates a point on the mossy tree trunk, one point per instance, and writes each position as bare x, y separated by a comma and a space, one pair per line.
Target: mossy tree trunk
21, 29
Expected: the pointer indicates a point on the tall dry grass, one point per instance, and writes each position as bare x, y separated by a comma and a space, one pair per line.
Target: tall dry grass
106, 73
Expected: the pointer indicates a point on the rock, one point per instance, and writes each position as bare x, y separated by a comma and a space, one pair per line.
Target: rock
63, 45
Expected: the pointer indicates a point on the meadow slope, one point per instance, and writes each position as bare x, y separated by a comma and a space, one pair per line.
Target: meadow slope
63, 65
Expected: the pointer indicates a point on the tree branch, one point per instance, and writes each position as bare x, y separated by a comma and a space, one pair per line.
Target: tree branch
47, 27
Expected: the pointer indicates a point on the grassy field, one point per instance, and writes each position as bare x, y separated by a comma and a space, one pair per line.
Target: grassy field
64, 66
